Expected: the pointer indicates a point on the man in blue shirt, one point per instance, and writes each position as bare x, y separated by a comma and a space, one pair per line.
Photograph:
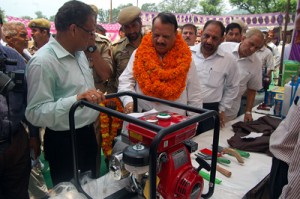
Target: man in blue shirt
15, 162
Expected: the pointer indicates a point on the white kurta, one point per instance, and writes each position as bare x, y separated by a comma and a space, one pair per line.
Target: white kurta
190, 96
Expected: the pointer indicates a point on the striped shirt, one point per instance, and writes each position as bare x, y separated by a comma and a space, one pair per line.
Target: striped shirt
285, 146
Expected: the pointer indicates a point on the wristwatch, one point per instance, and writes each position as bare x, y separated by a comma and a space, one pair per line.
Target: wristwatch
92, 49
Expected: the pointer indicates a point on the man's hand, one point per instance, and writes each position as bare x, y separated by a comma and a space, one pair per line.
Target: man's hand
248, 117
35, 145
92, 95
128, 108
222, 119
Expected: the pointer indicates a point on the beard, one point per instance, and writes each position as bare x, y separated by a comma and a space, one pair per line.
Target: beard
133, 36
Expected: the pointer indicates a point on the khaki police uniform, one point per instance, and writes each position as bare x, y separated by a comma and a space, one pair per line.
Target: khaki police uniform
104, 48
123, 49
31, 47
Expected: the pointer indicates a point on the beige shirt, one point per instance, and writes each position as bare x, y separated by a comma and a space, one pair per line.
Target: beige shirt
104, 48
122, 50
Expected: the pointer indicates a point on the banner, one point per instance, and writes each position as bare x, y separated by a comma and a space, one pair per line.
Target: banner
252, 20
293, 50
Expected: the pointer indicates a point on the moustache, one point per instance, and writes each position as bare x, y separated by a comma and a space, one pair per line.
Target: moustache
208, 46
161, 44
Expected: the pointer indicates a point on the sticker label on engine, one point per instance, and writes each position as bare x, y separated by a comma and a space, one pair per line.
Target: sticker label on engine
136, 136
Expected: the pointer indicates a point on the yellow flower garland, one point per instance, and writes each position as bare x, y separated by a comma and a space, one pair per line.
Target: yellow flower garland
109, 126
162, 78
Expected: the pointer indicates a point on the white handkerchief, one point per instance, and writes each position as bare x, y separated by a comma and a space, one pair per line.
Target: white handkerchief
252, 135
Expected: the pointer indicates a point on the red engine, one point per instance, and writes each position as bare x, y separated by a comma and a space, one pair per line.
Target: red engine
178, 178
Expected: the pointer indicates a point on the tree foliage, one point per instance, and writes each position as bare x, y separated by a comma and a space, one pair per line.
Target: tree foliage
2, 13
263, 6
211, 7
178, 6
26, 17
52, 18
39, 14
103, 15
149, 7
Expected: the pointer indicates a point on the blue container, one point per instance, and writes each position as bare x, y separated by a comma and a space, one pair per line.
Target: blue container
278, 102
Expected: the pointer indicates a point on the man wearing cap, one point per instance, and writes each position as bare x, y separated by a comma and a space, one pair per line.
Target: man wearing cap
131, 22
40, 32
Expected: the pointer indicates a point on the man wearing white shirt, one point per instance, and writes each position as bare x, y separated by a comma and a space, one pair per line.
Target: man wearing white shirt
161, 67
249, 68
276, 55
266, 57
217, 71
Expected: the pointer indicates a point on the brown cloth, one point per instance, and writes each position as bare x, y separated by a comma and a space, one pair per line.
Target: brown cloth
265, 125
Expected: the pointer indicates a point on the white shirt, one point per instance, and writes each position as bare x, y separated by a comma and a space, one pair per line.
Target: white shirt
285, 146
287, 51
276, 55
218, 76
266, 57
250, 73
190, 96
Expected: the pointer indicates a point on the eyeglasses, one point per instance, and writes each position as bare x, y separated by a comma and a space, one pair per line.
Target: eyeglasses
92, 33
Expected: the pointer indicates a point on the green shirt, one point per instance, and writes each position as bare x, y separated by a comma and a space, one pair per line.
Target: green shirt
55, 78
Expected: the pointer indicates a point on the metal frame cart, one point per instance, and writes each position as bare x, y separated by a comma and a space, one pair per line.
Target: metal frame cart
161, 133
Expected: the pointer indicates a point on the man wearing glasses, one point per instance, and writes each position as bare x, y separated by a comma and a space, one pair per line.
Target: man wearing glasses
58, 75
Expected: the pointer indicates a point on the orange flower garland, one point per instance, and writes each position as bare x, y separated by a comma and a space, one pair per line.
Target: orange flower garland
109, 126
162, 78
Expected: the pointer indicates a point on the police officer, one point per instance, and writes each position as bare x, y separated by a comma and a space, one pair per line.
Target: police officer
100, 59
104, 49
131, 22
40, 32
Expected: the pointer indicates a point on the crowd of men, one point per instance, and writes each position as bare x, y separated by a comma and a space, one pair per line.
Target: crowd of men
211, 68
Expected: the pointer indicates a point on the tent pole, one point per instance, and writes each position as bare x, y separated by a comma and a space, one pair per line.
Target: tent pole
110, 12
287, 18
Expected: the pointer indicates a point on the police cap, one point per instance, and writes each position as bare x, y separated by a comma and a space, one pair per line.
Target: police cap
128, 15
39, 23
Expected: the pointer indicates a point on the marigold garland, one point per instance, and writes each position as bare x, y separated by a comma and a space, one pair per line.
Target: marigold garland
109, 126
162, 78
